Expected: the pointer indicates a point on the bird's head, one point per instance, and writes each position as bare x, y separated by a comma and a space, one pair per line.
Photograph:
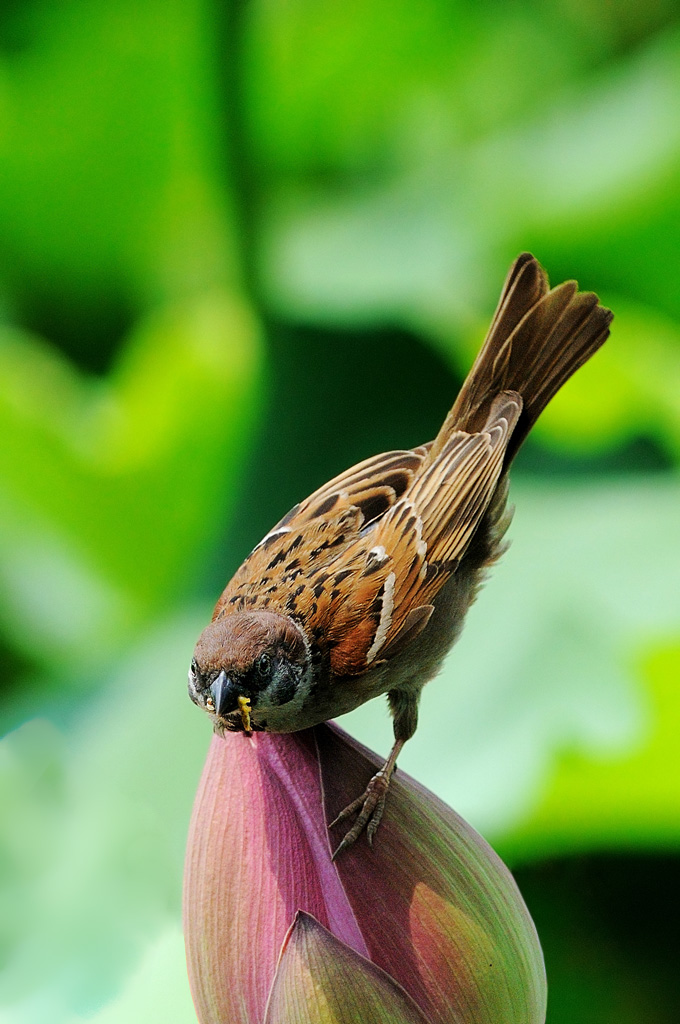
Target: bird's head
247, 663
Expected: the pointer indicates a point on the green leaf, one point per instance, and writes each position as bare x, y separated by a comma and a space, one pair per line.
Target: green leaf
108, 154
95, 822
370, 84
428, 241
626, 800
157, 990
111, 490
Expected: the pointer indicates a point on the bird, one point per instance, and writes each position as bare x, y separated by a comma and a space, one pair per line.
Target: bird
362, 588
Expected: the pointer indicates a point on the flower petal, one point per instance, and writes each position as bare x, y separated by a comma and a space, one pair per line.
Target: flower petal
439, 911
320, 980
430, 904
257, 852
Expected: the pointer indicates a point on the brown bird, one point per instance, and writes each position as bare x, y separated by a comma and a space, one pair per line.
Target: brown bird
362, 588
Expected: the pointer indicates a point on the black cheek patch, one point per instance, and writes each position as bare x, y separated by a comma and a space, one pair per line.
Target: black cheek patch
283, 693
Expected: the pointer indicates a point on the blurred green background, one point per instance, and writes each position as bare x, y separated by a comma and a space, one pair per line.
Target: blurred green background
243, 245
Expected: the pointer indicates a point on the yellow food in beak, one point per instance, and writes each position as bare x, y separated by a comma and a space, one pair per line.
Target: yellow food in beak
244, 708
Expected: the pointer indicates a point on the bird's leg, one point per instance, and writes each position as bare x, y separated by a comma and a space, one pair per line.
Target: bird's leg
371, 804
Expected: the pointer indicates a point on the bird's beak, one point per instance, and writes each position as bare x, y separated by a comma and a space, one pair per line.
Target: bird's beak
223, 694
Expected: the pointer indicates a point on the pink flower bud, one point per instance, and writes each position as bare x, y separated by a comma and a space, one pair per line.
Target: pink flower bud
426, 927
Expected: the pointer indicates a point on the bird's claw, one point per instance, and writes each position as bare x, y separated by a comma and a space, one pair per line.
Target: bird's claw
370, 806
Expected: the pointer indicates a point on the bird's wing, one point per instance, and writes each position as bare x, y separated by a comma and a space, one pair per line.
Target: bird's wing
316, 531
377, 593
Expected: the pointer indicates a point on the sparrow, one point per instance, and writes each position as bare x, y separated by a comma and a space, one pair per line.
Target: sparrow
362, 588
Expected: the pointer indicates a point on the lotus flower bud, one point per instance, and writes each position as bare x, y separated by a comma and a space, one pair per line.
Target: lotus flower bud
425, 927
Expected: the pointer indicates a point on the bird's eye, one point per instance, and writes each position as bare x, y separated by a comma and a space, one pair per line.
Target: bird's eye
194, 668
264, 663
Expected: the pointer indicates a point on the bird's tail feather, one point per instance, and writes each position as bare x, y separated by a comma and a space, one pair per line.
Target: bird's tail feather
538, 338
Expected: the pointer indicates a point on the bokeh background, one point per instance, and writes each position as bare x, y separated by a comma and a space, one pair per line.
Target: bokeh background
243, 245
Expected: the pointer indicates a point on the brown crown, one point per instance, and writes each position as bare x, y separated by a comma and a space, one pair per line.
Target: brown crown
236, 641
